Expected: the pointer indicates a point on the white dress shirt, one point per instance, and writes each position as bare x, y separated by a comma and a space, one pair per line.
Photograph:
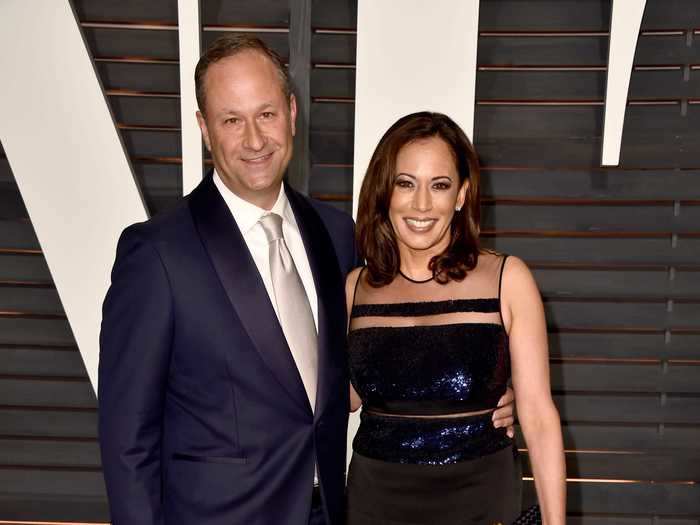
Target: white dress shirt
247, 216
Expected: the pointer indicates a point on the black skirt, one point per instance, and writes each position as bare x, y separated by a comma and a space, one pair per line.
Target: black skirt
485, 491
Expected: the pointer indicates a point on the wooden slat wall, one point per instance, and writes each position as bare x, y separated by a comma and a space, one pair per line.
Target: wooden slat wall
616, 251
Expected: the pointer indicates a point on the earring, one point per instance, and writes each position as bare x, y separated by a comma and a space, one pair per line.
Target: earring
458, 208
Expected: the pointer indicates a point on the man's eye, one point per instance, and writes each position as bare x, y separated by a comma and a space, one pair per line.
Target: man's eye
232, 120
267, 115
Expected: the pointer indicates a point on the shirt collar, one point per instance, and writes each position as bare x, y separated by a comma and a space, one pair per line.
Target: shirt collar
247, 214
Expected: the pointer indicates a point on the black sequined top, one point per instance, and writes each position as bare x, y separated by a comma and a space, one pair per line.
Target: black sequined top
433, 369
441, 351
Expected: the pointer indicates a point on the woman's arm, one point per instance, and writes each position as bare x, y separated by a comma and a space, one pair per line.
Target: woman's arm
350, 284
523, 315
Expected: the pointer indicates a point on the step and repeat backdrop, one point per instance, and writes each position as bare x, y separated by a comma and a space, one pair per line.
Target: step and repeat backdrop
615, 250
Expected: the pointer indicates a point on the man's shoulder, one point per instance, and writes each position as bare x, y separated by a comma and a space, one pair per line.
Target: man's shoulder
164, 225
331, 215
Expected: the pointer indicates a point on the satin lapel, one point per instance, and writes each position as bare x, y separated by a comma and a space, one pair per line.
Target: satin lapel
244, 287
330, 293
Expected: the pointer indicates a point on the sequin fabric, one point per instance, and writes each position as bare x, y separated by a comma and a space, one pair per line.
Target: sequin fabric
434, 441
428, 370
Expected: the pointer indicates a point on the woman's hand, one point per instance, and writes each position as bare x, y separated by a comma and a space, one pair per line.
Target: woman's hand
504, 415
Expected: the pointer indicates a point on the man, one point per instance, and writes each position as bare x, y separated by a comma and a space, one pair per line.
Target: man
223, 382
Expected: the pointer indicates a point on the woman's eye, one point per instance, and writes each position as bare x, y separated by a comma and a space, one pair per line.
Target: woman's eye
404, 183
442, 186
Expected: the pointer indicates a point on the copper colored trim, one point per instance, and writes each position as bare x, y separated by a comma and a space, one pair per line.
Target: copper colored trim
234, 28
135, 93
151, 26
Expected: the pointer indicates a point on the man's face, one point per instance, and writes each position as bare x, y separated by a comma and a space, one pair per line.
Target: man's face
249, 125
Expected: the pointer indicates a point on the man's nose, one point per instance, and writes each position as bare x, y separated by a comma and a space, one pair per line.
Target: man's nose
254, 138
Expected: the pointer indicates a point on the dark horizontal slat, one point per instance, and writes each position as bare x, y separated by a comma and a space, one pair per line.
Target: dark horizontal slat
577, 85
667, 499
616, 437
580, 15
104, 42
590, 218
333, 48
41, 361
578, 50
48, 507
18, 234
621, 345
334, 14
126, 10
595, 183
6, 176
628, 408
35, 331
625, 377
140, 77
152, 143
619, 283
56, 483
599, 250
656, 467
47, 393
29, 299
259, 13
335, 147
146, 110
19, 267
566, 14
594, 313
326, 179
76, 454
332, 116
277, 41
11, 204
333, 82
48, 423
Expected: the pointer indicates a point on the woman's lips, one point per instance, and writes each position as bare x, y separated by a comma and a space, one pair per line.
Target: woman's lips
419, 225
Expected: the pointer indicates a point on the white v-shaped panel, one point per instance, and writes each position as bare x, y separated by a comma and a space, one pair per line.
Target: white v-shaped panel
412, 55
66, 156
189, 43
626, 20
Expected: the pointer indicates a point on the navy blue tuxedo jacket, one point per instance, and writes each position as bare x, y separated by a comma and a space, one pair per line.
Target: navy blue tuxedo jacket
203, 416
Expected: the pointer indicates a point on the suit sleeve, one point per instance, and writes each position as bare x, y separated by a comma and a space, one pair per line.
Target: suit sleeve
135, 345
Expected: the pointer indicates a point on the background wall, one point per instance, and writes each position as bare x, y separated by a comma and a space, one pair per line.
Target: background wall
616, 251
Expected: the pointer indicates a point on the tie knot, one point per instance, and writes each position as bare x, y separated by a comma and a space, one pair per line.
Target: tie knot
272, 225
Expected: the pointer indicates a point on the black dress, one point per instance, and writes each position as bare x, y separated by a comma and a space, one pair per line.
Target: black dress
419, 354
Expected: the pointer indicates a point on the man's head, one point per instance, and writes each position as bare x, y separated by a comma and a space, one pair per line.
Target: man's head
247, 116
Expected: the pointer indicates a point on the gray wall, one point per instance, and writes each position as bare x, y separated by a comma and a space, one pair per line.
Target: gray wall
616, 251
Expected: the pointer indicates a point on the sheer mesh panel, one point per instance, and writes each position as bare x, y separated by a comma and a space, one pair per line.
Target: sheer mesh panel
404, 303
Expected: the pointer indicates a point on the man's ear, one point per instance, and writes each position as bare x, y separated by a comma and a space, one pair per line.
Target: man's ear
293, 113
203, 128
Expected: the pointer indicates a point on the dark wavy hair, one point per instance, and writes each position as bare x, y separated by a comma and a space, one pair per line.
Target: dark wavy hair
375, 235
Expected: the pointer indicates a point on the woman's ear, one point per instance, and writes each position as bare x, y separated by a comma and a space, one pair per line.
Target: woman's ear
462, 195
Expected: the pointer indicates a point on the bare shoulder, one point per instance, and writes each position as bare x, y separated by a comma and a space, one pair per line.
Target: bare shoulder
351, 280
518, 281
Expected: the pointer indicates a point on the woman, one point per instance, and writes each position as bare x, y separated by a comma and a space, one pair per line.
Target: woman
437, 328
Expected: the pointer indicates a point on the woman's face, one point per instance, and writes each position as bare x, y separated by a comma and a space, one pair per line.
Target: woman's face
426, 192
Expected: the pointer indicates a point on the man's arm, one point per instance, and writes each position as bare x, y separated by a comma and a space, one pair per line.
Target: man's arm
135, 343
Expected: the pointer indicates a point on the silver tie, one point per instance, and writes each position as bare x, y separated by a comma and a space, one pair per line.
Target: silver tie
293, 307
